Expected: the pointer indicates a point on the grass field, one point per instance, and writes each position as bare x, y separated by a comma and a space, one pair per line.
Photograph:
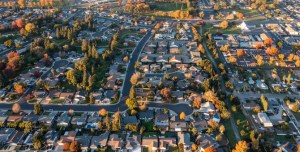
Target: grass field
229, 133
230, 30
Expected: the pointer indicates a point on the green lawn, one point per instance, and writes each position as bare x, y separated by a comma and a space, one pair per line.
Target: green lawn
161, 6
230, 30
148, 125
172, 149
57, 101
149, 134
297, 115
229, 133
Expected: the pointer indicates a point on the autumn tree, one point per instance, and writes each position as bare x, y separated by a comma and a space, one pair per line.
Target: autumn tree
240, 53
38, 108
241, 146
295, 106
75, 146
197, 102
182, 116
268, 42
201, 49
166, 92
134, 78
102, 112
264, 102
19, 88
224, 24
131, 103
30, 27
222, 129
232, 59
210, 149
272, 51
21, 3
240, 16
259, 60
16, 108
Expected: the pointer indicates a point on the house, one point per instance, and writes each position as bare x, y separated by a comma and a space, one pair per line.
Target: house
68, 137
147, 59
261, 84
162, 119
184, 138
84, 141
216, 117
99, 141
79, 121
134, 143
129, 120
92, 121
115, 142
264, 119
199, 78
31, 117
48, 119
63, 120
39, 94
67, 96
205, 140
14, 118
166, 143
151, 143
147, 115
174, 49
175, 59
288, 147
250, 105
51, 137
178, 95
3, 118
16, 138
200, 124
207, 107
177, 124
79, 96
5, 134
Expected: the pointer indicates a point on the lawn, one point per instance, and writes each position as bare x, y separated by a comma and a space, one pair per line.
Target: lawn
148, 125
244, 124
172, 149
229, 133
297, 115
230, 30
57, 101
163, 6
149, 134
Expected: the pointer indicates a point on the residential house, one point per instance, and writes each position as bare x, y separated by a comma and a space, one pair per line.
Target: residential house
79, 121
39, 94
127, 119
92, 121
177, 124
200, 124
162, 119
184, 138
99, 141
151, 143
68, 137
47, 119
115, 142
5, 134
14, 118
67, 96
134, 143
79, 96
205, 140
216, 117
51, 137
166, 143
174, 49
16, 138
178, 95
31, 117
84, 141
264, 119
207, 107
147, 115
63, 120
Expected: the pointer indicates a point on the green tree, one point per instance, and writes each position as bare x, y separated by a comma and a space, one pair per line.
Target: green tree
38, 109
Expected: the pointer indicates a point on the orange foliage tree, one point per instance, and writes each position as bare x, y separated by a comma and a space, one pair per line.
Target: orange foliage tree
272, 51
240, 53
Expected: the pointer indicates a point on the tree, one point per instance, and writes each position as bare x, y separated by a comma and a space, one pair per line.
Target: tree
240, 16
16, 108
166, 92
102, 112
259, 60
142, 130
295, 107
28, 127
92, 99
222, 129
182, 116
131, 103
197, 102
38, 108
30, 28
224, 24
272, 51
240, 53
216, 7
8, 43
21, 3
37, 144
201, 14
241, 146
232, 59
210, 149
201, 49
194, 147
66, 146
134, 78
268, 42
70, 112
264, 102
132, 92
75, 146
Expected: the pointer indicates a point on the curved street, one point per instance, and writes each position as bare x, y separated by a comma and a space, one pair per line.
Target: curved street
178, 108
